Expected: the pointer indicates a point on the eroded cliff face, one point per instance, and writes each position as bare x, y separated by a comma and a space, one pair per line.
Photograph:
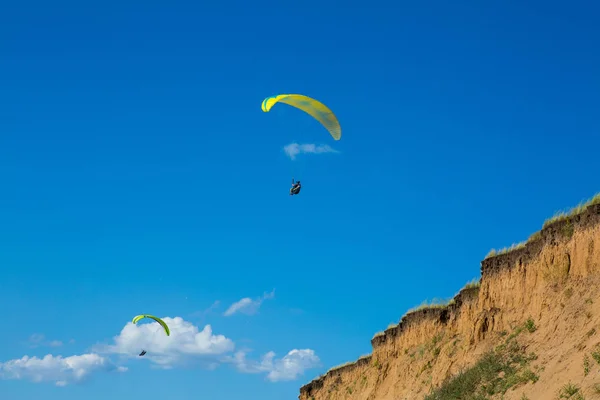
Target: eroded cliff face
554, 282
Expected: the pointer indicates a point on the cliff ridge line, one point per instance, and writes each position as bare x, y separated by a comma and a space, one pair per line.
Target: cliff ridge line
555, 231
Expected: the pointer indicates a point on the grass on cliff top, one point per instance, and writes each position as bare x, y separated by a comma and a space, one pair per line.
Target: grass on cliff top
475, 283
340, 366
578, 209
435, 303
514, 246
495, 373
432, 305
347, 364
558, 216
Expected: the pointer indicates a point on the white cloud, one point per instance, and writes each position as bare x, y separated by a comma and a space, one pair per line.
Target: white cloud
57, 369
36, 339
185, 345
291, 365
247, 305
288, 368
293, 149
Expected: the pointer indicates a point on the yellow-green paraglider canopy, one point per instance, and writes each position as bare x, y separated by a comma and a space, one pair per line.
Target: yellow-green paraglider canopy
314, 108
160, 321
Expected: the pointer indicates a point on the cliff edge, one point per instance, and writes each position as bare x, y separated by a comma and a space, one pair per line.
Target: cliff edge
526, 330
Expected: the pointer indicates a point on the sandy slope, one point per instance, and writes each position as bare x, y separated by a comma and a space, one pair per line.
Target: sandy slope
554, 281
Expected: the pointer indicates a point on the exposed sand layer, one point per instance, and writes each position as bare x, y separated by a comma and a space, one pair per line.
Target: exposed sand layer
553, 281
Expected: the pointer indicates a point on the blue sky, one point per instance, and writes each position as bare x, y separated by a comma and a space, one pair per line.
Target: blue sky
139, 175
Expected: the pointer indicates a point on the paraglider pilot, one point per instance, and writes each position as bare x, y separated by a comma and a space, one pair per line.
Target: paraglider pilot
142, 353
295, 189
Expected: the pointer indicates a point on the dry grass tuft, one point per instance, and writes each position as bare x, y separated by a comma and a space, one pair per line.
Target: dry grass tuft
514, 246
578, 209
346, 364
380, 333
475, 283
559, 216
434, 304
535, 236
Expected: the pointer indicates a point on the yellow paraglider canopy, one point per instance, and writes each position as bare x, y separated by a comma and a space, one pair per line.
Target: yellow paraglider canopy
160, 321
314, 108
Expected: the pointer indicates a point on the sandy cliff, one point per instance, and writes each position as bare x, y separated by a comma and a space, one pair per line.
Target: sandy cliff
529, 330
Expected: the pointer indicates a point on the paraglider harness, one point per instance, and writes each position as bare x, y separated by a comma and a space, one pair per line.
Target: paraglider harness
295, 189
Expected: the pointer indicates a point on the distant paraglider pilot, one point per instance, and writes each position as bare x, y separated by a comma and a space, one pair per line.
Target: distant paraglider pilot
142, 353
295, 189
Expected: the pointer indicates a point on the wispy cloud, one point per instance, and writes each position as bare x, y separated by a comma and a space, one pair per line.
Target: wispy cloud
207, 311
247, 305
57, 369
38, 340
287, 368
294, 149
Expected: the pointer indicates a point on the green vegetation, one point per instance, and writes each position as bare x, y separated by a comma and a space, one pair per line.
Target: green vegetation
515, 333
377, 364
432, 347
436, 339
569, 293
586, 365
596, 354
453, 348
534, 236
340, 366
475, 283
442, 303
591, 332
570, 390
578, 209
530, 325
514, 246
433, 304
496, 372
567, 230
